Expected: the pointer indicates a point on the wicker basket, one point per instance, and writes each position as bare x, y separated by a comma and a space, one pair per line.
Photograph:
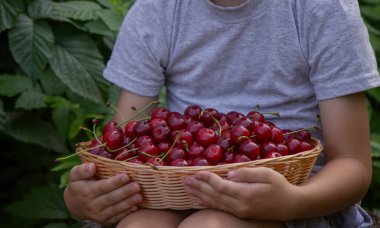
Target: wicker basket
165, 189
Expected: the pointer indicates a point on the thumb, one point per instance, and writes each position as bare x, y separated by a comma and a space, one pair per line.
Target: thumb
82, 172
252, 175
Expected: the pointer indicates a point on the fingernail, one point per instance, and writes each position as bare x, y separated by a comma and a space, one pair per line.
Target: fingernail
123, 178
90, 167
134, 187
231, 174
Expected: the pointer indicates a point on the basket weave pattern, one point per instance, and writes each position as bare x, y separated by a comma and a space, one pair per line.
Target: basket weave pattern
165, 189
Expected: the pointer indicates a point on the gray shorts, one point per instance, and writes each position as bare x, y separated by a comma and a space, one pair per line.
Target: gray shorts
354, 217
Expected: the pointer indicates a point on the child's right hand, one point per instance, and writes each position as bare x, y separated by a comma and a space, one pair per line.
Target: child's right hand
103, 201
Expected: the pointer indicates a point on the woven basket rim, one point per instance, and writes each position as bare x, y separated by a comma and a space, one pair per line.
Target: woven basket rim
318, 147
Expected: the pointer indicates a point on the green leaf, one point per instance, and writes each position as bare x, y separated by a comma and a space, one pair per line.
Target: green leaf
67, 164
40, 9
112, 19
371, 1
30, 100
372, 12
98, 27
75, 59
62, 118
77, 10
60, 102
372, 29
3, 116
375, 94
31, 43
41, 203
64, 179
11, 85
80, 122
30, 128
9, 9
51, 84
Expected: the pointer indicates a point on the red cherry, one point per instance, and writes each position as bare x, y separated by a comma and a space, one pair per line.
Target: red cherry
206, 137
111, 125
294, 146
176, 153
239, 134
199, 162
228, 157
223, 125
241, 158
128, 129
249, 149
193, 111
158, 122
142, 128
247, 123
234, 118
209, 116
179, 162
213, 154
263, 132
194, 127
184, 140
147, 150
156, 161
161, 134
195, 150
272, 155
114, 139
303, 135
277, 136
160, 112
142, 140
266, 148
282, 149
163, 147
306, 146
225, 143
270, 124
254, 115
176, 121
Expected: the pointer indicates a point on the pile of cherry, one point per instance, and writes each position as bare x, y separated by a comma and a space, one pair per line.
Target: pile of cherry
198, 137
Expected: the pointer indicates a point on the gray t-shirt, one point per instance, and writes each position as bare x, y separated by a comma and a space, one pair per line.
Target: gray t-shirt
282, 55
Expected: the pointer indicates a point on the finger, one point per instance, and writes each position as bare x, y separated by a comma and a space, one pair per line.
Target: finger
220, 185
117, 218
253, 175
209, 202
82, 172
122, 206
105, 186
219, 193
118, 195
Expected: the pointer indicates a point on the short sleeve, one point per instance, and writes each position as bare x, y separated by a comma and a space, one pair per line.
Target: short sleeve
140, 54
339, 53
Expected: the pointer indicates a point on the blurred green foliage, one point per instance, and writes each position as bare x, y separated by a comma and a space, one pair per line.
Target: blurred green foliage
52, 56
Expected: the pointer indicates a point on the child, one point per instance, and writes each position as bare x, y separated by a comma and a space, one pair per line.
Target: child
297, 57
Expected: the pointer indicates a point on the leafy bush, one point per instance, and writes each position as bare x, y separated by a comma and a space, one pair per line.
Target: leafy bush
52, 57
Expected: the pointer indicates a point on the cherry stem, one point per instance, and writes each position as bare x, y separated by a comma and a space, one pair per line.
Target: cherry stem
92, 132
131, 158
140, 112
219, 132
125, 146
125, 152
303, 129
166, 154
117, 110
66, 157
151, 166
271, 113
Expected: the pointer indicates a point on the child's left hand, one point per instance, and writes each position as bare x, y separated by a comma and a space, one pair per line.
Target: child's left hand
260, 193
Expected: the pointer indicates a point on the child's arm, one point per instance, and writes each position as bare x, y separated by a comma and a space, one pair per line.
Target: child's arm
264, 194
105, 201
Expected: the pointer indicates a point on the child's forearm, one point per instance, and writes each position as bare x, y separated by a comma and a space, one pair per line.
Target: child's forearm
340, 184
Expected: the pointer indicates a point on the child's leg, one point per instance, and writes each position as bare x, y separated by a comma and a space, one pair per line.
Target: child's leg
217, 219
147, 218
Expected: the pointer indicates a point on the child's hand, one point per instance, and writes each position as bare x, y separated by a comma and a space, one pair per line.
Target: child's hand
260, 193
103, 201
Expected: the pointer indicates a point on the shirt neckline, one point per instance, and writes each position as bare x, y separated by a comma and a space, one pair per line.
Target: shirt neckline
232, 14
